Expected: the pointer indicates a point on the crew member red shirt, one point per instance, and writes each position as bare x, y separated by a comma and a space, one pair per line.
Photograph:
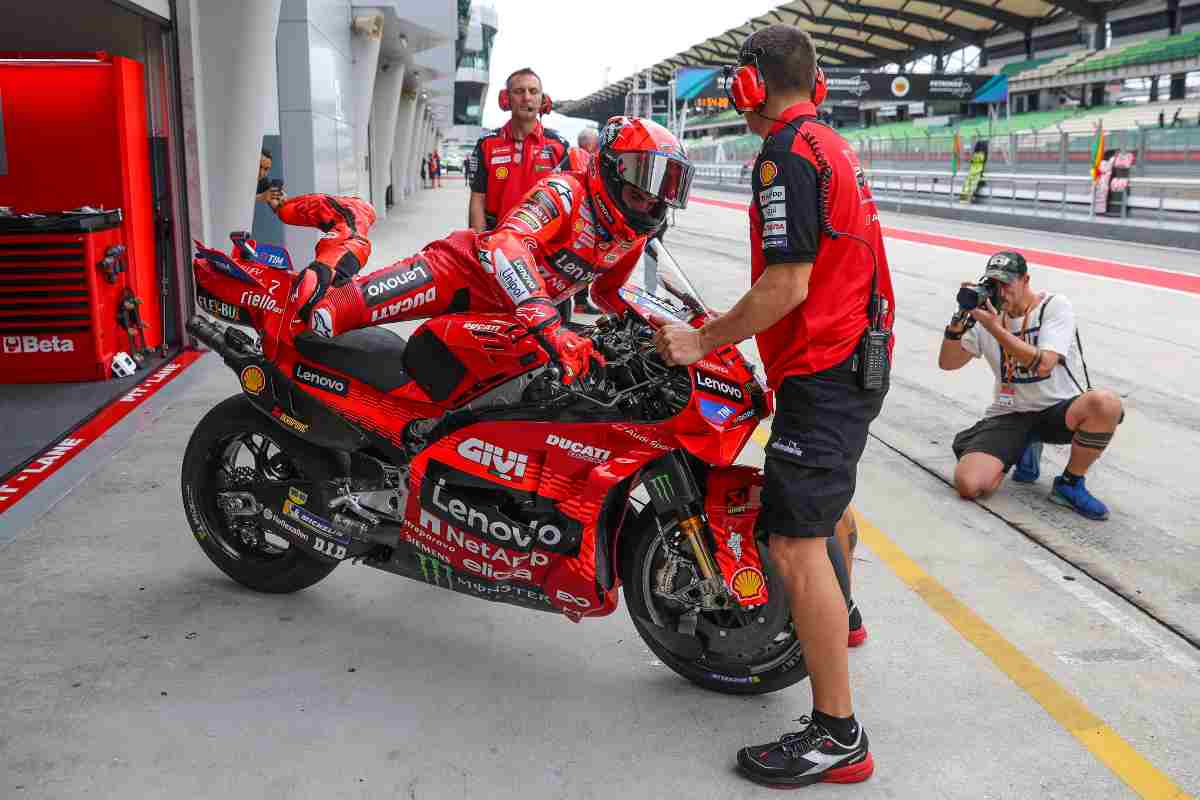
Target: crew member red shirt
785, 227
505, 170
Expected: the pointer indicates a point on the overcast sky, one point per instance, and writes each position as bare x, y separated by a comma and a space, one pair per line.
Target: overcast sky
571, 44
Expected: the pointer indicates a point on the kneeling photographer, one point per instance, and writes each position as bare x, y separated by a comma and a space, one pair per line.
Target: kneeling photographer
1030, 342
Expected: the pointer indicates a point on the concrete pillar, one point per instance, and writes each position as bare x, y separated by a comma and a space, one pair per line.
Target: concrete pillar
233, 64
1028, 43
404, 120
364, 45
384, 111
1178, 85
410, 154
420, 150
1154, 89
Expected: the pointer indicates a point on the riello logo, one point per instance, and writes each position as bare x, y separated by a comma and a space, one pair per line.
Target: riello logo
507, 464
37, 344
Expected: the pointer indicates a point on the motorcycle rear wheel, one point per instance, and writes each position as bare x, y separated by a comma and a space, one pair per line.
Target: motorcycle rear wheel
236, 444
775, 660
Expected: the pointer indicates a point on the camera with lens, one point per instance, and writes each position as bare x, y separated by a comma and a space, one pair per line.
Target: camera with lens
974, 295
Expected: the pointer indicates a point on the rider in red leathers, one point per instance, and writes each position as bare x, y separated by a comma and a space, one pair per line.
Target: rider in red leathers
570, 229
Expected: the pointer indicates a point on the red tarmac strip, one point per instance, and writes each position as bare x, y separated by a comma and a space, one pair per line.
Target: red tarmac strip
51, 460
1148, 276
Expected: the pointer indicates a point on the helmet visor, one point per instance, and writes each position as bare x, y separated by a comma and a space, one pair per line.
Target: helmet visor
666, 177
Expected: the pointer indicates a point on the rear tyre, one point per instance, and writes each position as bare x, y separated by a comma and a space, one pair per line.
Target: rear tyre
757, 652
233, 448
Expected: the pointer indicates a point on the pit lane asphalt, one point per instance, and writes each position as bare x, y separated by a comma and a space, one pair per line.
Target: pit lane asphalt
131, 666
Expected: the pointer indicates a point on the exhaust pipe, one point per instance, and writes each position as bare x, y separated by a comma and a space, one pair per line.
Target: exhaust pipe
208, 334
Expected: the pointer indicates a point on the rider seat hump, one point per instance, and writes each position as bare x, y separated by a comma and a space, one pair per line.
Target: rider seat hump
374, 356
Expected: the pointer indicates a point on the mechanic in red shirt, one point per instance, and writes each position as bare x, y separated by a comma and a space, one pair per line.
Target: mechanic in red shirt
506, 163
808, 307
569, 230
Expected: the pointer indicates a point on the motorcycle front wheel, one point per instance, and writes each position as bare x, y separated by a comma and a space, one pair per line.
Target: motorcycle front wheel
732, 650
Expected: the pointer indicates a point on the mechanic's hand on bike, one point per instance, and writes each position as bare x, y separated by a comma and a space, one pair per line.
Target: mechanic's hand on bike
571, 353
678, 343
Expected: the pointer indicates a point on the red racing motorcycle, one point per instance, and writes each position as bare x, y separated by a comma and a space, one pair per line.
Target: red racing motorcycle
458, 458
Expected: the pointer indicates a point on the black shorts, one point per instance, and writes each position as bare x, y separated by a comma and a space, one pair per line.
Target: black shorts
1005, 436
817, 437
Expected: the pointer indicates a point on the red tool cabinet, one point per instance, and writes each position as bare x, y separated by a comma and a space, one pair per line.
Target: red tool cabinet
74, 133
58, 310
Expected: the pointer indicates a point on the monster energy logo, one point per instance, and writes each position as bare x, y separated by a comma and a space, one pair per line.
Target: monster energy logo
434, 570
662, 485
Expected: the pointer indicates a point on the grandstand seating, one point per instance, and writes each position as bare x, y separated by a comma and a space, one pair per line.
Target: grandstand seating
1048, 67
1185, 45
1143, 115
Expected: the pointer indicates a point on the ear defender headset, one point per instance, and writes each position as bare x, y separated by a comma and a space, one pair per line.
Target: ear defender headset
506, 102
748, 91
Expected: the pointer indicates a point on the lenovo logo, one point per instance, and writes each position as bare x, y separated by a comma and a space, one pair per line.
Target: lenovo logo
321, 380
37, 344
711, 383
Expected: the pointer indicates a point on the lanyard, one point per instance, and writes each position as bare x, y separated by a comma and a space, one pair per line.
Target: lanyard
1008, 364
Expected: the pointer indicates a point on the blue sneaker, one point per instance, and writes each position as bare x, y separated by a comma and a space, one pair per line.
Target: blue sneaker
1078, 498
1029, 468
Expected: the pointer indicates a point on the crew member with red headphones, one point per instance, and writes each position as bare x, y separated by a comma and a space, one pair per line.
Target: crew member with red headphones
507, 163
821, 307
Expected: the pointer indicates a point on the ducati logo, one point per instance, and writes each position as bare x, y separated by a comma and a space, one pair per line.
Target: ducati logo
322, 323
506, 464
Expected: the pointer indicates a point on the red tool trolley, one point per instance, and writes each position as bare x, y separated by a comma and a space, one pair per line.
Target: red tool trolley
73, 133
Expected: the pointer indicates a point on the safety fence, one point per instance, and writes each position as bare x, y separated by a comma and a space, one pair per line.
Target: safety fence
1158, 151
1157, 202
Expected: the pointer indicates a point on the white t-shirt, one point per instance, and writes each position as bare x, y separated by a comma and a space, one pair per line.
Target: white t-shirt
1016, 389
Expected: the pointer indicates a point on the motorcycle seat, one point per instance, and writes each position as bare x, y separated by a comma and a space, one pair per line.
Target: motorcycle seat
374, 356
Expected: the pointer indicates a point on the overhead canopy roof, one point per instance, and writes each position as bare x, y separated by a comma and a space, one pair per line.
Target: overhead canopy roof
867, 33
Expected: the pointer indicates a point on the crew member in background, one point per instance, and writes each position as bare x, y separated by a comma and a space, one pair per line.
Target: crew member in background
424, 171
589, 140
509, 161
266, 193
435, 169
811, 309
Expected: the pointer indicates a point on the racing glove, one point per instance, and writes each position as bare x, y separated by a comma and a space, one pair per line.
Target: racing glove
569, 351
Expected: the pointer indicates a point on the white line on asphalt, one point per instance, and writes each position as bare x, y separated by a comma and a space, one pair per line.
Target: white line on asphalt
1134, 627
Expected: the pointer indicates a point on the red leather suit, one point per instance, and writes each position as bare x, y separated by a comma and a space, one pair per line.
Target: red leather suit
547, 247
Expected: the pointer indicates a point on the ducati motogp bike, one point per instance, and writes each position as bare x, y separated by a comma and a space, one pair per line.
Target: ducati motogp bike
458, 458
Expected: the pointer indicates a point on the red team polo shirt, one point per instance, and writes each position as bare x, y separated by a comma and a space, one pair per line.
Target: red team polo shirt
505, 171
785, 227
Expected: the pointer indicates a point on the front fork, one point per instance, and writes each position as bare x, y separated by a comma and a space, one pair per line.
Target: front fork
673, 490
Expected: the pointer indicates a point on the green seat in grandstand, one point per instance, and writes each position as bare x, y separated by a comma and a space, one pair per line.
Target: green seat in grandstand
1186, 45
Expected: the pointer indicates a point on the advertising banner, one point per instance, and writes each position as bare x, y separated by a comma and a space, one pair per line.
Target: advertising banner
851, 87
1110, 192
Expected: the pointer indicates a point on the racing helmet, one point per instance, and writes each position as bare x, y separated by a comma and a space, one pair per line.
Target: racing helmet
647, 156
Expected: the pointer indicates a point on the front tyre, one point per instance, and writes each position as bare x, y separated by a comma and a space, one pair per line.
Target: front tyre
233, 449
743, 652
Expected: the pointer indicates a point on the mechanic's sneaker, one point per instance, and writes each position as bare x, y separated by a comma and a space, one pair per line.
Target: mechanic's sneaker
810, 756
1077, 497
1029, 468
858, 631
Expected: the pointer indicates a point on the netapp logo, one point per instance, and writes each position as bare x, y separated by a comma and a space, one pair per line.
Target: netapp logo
394, 283
320, 380
711, 383
36, 344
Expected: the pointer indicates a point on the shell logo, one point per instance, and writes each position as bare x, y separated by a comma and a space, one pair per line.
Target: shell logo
253, 380
900, 86
767, 172
501, 173
749, 585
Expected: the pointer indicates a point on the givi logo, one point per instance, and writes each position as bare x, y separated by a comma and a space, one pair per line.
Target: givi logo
36, 344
